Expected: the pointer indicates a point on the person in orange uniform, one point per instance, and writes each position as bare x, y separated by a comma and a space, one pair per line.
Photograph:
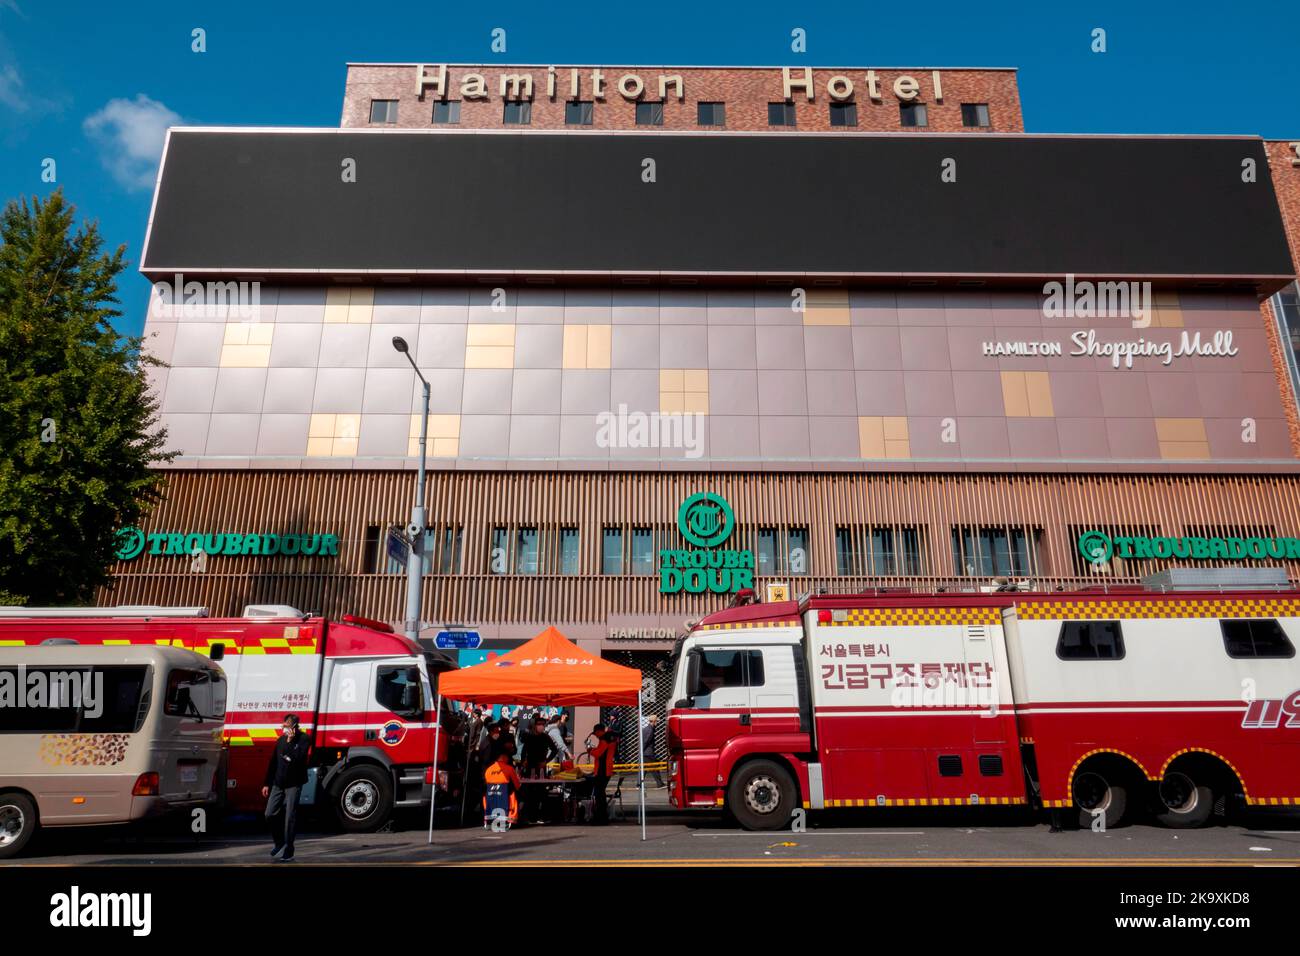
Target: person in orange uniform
603, 754
502, 783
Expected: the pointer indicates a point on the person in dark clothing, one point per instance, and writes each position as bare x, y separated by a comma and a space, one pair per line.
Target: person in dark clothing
286, 772
538, 749
503, 741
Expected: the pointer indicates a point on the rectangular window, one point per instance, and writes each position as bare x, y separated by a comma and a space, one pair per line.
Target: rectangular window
882, 551
844, 114
499, 551
579, 112
765, 553
527, 551
913, 114
370, 550
908, 553
797, 551
398, 690
517, 113
569, 554
446, 112
195, 693
650, 114
846, 552
428, 550
989, 552
1090, 641
611, 551
1256, 639
121, 710
729, 668
780, 114
643, 551
452, 539
383, 111
712, 114
975, 114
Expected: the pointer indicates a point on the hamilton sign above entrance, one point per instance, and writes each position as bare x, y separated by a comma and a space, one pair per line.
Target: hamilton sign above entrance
705, 520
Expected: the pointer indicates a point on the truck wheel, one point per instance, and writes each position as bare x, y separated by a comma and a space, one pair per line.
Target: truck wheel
17, 823
1099, 792
1182, 803
363, 799
761, 796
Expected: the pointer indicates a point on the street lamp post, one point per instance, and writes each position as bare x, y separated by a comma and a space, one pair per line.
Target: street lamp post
415, 530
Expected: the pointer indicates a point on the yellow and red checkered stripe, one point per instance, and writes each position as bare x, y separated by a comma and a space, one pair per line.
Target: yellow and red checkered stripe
1115, 610
249, 736
972, 801
735, 625
915, 616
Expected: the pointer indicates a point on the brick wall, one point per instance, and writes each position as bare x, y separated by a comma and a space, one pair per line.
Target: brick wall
745, 91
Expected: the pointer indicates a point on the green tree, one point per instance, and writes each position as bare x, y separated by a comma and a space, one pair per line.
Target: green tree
78, 430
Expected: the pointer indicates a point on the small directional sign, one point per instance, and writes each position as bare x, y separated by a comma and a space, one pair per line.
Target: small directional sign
399, 549
458, 640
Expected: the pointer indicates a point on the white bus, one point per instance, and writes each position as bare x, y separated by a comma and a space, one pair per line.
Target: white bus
100, 735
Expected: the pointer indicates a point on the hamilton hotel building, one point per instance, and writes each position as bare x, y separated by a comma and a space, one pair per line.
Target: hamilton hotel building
907, 343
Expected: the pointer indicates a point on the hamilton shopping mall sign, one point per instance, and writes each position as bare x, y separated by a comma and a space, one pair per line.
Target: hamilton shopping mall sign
705, 520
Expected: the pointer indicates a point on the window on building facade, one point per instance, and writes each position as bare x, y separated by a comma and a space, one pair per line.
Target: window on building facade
449, 560
766, 550
913, 114
569, 552
611, 551
643, 551
383, 111
975, 114
797, 556
1286, 313
527, 551
844, 114
780, 114
990, 552
499, 550
446, 111
712, 114
884, 551
517, 113
650, 114
579, 112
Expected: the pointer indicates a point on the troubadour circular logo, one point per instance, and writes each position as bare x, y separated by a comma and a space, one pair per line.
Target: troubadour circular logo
1096, 546
705, 519
130, 542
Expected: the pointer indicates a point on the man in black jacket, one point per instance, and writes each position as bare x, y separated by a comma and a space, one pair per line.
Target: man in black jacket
285, 774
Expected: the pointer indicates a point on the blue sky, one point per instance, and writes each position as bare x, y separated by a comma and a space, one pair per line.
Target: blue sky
92, 85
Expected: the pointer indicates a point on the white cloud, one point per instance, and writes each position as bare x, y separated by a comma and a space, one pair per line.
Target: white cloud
11, 88
130, 136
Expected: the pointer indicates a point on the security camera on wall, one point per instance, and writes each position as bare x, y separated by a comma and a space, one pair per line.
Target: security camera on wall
413, 531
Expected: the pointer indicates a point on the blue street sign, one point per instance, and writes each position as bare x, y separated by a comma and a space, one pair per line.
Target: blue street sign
398, 549
458, 640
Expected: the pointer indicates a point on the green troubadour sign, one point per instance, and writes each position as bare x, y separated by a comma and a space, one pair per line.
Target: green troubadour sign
706, 520
1099, 547
131, 543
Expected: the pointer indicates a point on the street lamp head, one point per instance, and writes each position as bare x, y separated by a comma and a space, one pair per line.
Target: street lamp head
399, 343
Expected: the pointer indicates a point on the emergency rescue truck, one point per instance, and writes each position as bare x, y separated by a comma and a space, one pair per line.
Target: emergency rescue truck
1096, 704
364, 693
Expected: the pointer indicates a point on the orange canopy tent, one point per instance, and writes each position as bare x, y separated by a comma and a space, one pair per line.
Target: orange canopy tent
549, 669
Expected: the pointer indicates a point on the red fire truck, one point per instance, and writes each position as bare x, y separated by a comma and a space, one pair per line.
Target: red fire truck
1096, 704
364, 693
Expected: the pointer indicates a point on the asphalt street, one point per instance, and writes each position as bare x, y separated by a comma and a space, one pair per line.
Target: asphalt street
1003, 836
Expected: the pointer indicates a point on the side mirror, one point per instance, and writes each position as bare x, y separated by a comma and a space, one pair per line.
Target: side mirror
218, 652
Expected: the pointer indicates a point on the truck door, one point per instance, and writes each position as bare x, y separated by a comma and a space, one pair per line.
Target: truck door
344, 716
719, 711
